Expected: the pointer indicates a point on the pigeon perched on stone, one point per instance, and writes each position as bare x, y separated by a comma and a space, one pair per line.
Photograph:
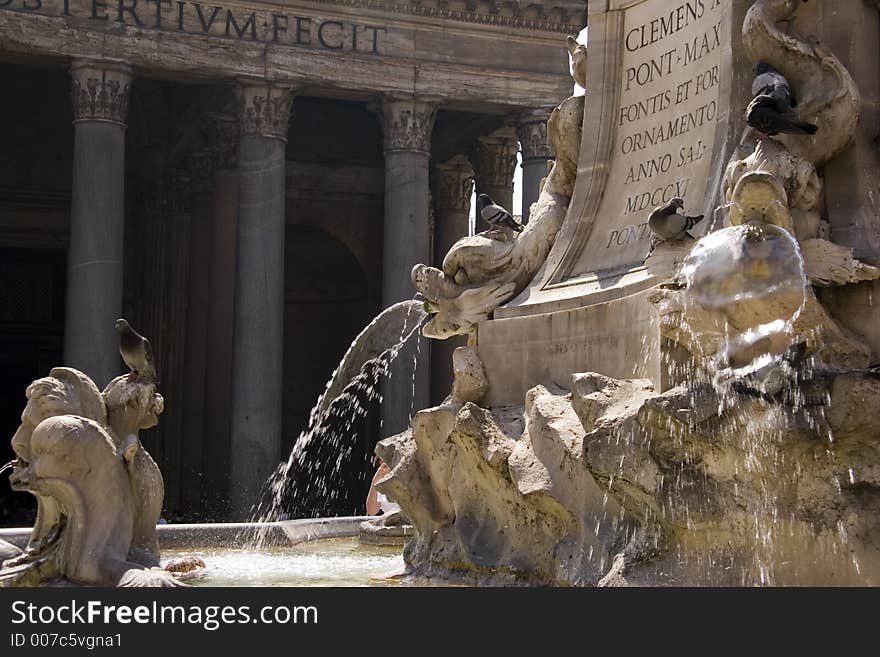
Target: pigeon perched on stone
769, 81
495, 215
763, 116
772, 109
667, 223
136, 351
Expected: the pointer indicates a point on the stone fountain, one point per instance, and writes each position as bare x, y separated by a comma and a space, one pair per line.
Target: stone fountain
710, 414
693, 412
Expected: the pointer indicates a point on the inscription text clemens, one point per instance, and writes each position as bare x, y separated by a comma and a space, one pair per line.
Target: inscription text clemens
664, 124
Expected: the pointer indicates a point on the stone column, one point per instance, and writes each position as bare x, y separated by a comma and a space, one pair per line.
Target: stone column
407, 121
532, 132
257, 352
453, 185
494, 161
94, 259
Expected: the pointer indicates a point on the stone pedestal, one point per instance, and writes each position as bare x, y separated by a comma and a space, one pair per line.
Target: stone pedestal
94, 259
536, 151
494, 161
453, 186
407, 122
257, 353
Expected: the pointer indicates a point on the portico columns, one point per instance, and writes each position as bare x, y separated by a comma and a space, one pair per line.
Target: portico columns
453, 184
258, 321
532, 131
494, 161
94, 259
407, 121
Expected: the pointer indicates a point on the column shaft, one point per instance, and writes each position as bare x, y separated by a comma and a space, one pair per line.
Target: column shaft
95, 255
257, 353
452, 184
532, 131
407, 122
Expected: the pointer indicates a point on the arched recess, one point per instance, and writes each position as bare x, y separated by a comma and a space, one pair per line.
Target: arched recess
327, 303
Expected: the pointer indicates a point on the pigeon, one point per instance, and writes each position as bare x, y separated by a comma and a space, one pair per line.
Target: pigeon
495, 215
136, 351
763, 116
772, 109
768, 81
668, 224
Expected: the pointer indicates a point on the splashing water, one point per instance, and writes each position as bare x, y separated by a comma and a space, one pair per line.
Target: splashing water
311, 477
740, 438
754, 276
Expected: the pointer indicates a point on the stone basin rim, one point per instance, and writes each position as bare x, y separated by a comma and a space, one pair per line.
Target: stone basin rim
283, 533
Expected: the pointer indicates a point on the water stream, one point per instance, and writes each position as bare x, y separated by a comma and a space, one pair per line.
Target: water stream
312, 478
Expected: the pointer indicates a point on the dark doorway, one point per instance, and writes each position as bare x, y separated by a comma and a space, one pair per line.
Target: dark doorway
326, 305
31, 333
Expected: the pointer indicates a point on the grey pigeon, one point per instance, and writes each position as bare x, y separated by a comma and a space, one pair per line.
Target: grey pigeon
762, 114
772, 109
667, 223
136, 351
495, 215
769, 81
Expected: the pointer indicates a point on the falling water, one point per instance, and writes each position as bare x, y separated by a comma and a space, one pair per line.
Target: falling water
740, 441
311, 478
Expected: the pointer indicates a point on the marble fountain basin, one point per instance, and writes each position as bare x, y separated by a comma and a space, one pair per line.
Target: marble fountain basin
307, 552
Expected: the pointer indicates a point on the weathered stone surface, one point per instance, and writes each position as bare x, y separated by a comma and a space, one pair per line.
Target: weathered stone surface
388, 529
483, 271
745, 294
695, 486
502, 496
594, 396
8, 551
394, 46
827, 263
470, 382
131, 406
90, 485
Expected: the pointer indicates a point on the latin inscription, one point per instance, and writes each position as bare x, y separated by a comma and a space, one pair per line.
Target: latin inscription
664, 126
659, 131
215, 20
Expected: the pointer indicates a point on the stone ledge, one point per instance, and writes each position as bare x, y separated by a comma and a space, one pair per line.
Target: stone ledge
287, 532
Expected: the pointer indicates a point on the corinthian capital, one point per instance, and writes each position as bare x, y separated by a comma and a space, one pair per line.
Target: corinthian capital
99, 90
407, 121
264, 108
532, 132
453, 185
495, 157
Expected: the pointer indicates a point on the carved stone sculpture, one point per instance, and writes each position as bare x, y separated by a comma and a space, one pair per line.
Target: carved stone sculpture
578, 52
70, 459
778, 184
483, 271
829, 98
131, 406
